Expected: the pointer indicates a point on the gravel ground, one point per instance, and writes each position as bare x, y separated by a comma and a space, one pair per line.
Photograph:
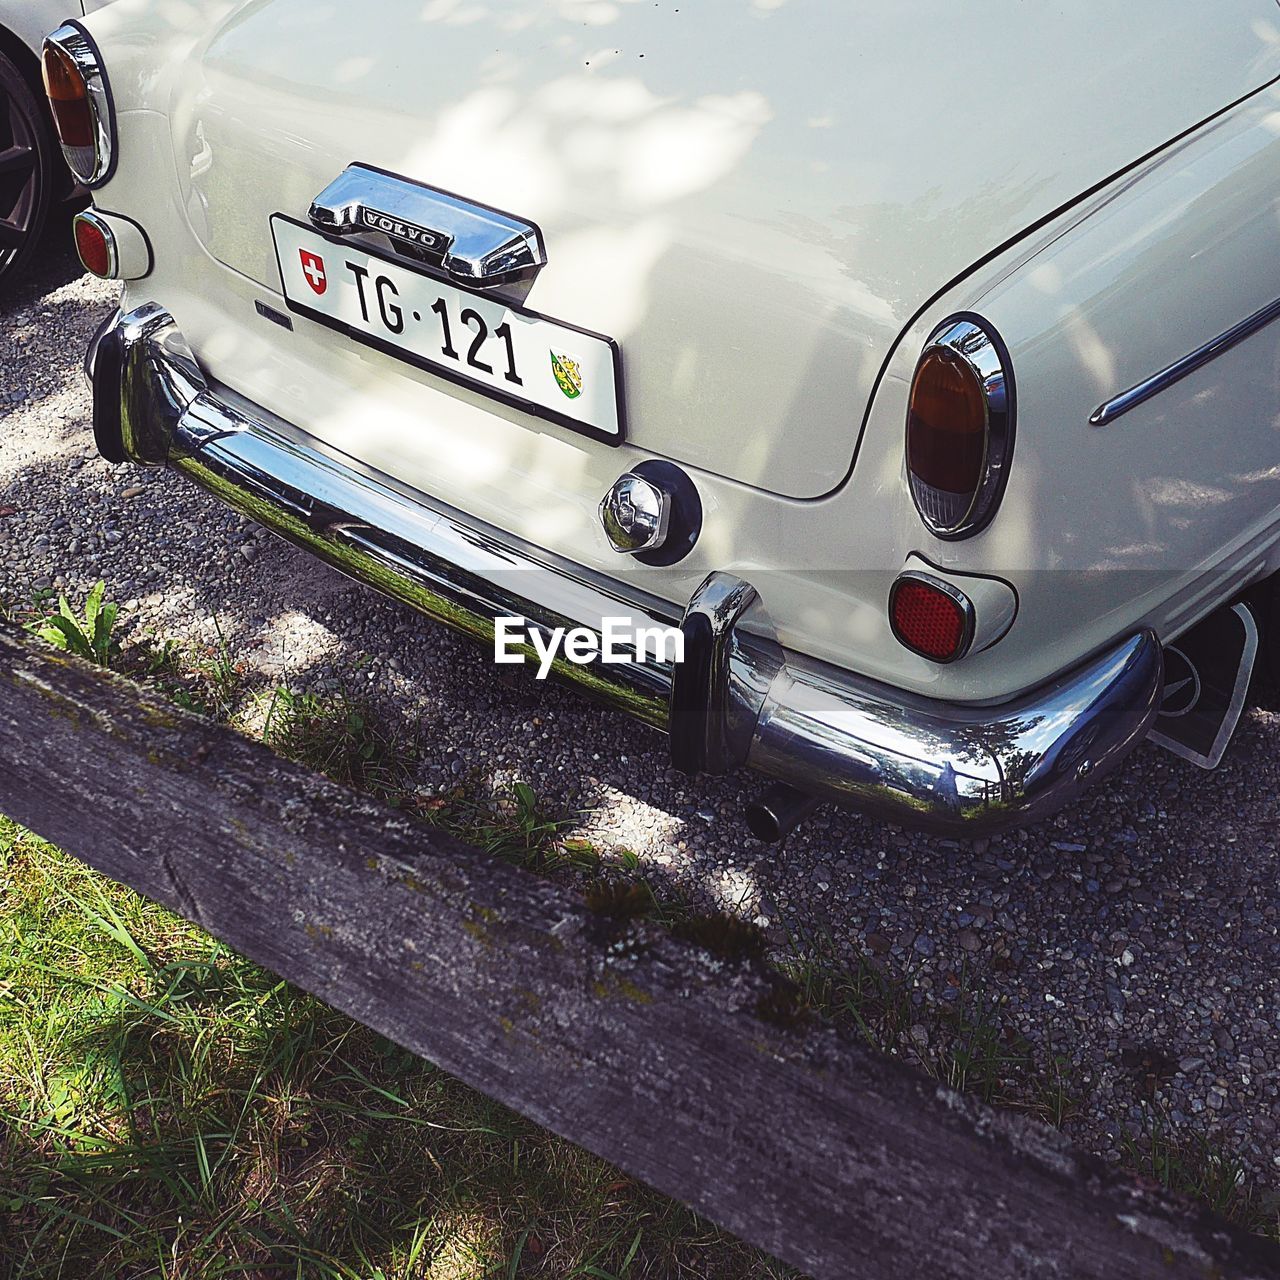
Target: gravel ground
1137, 933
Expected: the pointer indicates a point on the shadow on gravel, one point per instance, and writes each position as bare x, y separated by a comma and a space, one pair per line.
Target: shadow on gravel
56, 263
28, 377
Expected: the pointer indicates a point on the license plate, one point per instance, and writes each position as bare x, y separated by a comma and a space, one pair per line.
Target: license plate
545, 367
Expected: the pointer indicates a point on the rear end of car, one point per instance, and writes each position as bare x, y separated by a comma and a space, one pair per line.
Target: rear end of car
34, 184
600, 328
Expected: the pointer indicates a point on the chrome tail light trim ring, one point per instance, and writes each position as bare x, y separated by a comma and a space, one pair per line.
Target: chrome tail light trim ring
76, 42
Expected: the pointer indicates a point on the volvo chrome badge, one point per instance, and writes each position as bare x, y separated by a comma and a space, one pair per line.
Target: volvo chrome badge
477, 246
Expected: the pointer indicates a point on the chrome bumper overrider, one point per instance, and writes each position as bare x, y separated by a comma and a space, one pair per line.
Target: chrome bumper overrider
738, 698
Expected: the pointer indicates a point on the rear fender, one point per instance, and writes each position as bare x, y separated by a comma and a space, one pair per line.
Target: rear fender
1170, 508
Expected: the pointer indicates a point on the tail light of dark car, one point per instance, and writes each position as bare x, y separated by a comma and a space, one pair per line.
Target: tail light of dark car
80, 97
960, 427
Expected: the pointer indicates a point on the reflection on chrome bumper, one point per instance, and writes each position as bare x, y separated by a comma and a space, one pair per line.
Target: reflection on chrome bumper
738, 698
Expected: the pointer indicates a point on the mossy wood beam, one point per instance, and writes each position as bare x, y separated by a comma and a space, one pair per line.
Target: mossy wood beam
651, 1054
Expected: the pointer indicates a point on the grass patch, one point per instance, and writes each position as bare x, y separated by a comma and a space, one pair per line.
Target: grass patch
205, 680
172, 1110
88, 632
1190, 1165
968, 1043
340, 736
515, 825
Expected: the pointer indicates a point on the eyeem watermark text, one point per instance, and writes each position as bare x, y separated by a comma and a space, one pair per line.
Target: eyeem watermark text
619, 640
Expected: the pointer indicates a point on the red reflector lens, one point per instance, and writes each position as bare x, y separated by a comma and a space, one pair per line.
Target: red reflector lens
69, 98
929, 620
93, 247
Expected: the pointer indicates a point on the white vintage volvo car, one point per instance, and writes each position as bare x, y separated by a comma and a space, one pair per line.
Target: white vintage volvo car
916, 363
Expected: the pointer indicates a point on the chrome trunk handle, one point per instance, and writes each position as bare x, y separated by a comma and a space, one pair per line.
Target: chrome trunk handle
475, 245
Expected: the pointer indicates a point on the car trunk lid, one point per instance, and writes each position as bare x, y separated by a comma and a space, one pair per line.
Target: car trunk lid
752, 199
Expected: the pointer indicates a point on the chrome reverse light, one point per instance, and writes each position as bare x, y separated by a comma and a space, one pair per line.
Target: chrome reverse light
960, 427
80, 97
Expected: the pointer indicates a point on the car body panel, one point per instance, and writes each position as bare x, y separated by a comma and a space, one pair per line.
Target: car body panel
37, 182
1101, 531
32, 20
824, 568
1174, 507
755, 229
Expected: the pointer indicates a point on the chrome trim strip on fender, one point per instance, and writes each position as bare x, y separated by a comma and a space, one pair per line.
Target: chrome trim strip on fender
1106, 414
826, 731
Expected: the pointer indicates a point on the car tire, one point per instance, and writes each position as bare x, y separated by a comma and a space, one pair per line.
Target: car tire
27, 172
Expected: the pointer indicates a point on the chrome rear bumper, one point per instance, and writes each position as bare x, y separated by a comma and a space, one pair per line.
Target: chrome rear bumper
738, 697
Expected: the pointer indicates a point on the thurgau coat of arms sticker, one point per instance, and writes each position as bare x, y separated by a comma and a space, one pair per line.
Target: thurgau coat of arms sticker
568, 375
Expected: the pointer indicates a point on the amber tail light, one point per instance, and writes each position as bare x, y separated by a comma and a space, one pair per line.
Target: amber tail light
960, 428
80, 98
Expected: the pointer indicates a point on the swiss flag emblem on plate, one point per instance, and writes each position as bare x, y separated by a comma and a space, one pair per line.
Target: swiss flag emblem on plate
313, 269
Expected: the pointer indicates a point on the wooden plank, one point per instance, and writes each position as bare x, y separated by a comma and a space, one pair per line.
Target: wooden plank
650, 1054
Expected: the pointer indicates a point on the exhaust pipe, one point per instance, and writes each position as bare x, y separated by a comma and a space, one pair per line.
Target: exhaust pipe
777, 813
